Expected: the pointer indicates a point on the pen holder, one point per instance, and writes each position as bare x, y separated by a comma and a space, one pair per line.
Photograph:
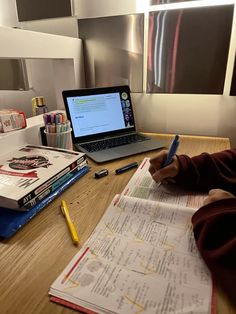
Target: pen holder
59, 139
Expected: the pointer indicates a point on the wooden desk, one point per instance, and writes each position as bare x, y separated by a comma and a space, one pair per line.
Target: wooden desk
32, 259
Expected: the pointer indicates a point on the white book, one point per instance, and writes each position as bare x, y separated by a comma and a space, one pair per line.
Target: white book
25, 171
50, 186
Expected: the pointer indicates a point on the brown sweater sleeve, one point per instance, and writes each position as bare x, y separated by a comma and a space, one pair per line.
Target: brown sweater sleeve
214, 227
208, 171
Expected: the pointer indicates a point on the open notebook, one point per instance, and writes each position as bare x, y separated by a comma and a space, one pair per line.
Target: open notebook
141, 257
103, 123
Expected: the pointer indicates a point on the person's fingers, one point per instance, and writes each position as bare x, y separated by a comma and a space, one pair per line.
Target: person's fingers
216, 195
151, 169
168, 181
156, 169
207, 200
157, 161
169, 171
213, 192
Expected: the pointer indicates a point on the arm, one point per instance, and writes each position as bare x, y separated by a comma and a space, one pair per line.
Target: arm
208, 171
202, 172
215, 235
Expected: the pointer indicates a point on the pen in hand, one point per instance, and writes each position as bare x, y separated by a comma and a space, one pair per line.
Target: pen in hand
65, 212
171, 153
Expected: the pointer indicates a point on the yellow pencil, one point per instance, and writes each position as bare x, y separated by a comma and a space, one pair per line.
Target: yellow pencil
65, 212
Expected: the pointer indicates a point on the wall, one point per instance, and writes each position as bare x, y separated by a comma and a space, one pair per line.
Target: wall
8, 13
53, 76
213, 115
49, 72
67, 26
94, 8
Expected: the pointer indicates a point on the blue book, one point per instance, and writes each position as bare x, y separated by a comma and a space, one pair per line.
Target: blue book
11, 220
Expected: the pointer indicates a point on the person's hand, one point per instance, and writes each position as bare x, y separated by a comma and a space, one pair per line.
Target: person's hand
157, 172
216, 195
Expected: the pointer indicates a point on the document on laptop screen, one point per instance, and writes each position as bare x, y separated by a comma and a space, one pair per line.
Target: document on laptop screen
93, 114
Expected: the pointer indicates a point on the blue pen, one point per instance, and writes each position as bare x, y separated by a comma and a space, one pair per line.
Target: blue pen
127, 167
172, 151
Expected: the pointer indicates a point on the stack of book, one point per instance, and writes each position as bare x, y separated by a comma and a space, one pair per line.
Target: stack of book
30, 178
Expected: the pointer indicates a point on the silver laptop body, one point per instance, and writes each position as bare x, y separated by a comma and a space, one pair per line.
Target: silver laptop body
101, 115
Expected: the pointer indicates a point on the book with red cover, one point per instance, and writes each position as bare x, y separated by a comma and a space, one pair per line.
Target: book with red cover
11, 220
26, 171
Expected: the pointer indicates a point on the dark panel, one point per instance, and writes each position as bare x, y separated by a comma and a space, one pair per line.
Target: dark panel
113, 50
13, 75
233, 84
188, 50
42, 9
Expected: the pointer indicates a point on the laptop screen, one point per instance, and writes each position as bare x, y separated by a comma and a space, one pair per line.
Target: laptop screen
99, 111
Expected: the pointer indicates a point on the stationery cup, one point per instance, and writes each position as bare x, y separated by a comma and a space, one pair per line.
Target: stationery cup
59, 139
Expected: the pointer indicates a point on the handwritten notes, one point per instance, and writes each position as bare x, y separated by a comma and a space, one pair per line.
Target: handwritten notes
141, 258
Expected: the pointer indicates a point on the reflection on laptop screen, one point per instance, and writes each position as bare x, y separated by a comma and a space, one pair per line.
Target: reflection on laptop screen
98, 113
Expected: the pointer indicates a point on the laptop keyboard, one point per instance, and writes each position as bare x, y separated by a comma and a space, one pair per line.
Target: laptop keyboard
114, 142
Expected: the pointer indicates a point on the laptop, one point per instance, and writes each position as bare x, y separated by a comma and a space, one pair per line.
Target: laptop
103, 124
